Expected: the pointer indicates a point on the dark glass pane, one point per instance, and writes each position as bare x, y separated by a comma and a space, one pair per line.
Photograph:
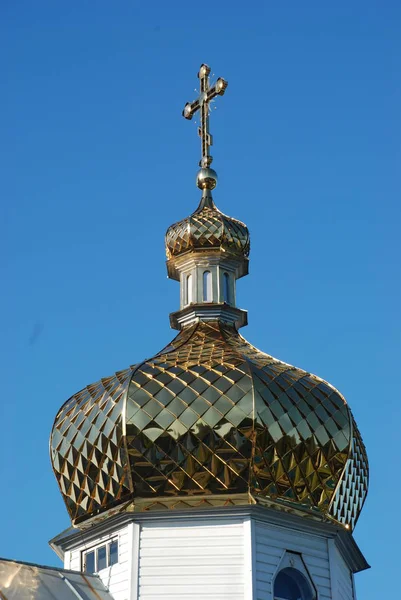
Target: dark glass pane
114, 552
101, 558
226, 288
89, 560
286, 588
188, 290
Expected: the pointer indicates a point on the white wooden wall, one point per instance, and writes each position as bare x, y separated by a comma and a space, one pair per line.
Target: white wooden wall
214, 558
342, 580
272, 541
192, 560
116, 578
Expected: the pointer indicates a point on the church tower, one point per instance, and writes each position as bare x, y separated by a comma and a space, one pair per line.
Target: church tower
211, 470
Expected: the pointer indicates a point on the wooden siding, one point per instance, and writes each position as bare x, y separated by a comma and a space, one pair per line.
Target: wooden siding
215, 558
195, 559
342, 583
271, 542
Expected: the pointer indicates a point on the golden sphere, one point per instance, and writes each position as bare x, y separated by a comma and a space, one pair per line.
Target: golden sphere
206, 179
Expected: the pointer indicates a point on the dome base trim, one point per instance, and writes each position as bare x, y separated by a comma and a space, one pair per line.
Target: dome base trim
182, 503
162, 503
195, 313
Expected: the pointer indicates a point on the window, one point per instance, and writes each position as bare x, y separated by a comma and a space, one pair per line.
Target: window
100, 557
226, 288
89, 562
207, 286
113, 554
291, 584
188, 290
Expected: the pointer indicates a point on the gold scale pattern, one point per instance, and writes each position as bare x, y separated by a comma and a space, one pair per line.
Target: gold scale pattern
351, 493
207, 228
210, 416
87, 448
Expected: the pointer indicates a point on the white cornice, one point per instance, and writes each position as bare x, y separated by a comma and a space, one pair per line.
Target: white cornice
342, 538
209, 312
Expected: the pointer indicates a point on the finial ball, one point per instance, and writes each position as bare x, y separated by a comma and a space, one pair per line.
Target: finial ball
206, 179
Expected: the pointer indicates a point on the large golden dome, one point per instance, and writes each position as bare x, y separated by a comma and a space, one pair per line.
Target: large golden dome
209, 420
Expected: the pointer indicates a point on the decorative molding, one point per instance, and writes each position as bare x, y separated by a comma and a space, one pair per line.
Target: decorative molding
209, 312
211, 256
294, 560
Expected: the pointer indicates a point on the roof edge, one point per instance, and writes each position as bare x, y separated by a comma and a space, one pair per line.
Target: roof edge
344, 540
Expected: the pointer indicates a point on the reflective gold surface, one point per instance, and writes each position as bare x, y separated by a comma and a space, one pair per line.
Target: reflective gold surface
207, 228
210, 416
87, 448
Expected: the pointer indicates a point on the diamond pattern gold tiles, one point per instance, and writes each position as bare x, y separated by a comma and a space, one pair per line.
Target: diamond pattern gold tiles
351, 494
207, 228
180, 422
210, 416
87, 449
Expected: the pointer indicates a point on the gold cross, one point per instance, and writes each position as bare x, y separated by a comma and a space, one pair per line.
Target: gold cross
206, 95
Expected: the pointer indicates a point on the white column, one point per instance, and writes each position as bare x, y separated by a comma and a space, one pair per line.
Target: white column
134, 533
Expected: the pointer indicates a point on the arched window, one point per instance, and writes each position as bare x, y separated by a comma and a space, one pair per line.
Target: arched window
207, 286
291, 584
188, 290
226, 288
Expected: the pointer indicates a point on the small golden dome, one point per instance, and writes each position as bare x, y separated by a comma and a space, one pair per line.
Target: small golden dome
207, 228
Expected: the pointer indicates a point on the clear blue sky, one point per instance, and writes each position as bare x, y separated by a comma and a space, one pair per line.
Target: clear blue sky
96, 162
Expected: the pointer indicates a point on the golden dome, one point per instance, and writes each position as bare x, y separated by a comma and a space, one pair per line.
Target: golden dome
207, 228
209, 420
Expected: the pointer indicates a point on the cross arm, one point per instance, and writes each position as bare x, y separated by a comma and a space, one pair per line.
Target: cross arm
217, 89
190, 109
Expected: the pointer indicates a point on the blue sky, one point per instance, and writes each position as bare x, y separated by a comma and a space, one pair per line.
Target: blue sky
97, 161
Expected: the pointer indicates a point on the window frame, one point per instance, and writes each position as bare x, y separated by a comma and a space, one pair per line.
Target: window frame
226, 287
304, 589
95, 549
188, 290
293, 561
207, 286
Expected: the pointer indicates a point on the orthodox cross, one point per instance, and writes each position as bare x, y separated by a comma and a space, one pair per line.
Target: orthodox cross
206, 95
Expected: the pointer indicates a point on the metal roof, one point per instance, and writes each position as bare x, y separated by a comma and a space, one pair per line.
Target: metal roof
26, 581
